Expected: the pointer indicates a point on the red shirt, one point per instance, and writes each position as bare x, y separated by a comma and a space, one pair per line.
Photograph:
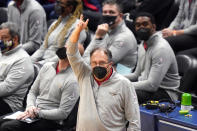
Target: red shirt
57, 69
145, 45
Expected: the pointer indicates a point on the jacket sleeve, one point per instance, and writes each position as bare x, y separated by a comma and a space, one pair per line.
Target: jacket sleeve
37, 55
81, 40
34, 90
77, 63
69, 97
134, 76
121, 47
16, 77
175, 23
132, 112
192, 30
161, 61
37, 30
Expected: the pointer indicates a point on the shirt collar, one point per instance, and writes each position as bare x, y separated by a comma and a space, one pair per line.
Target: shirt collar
117, 28
55, 65
23, 6
149, 42
12, 50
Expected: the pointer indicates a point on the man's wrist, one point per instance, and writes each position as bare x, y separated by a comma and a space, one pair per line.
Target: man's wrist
37, 113
100, 38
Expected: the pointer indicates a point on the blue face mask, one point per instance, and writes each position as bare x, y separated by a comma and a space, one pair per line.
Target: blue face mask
5, 44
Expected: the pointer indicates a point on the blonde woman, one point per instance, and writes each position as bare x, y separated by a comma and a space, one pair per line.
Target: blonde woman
59, 32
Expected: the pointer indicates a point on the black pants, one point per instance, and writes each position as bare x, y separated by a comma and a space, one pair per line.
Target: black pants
4, 108
144, 96
182, 42
40, 125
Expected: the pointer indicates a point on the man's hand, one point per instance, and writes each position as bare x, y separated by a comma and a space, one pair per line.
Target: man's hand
101, 30
23, 116
80, 26
168, 32
30, 112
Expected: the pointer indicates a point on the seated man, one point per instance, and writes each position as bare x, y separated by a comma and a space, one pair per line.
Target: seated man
30, 16
48, 6
60, 30
107, 99
16, 69
158, 8
51, 98
156, 75
115, 36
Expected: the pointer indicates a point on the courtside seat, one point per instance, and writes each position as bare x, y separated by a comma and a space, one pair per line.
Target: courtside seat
187, 65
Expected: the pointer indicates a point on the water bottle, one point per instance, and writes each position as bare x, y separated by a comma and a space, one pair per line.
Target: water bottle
186, 101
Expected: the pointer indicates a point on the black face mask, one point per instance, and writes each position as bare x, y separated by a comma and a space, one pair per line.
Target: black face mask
143, 33
110, 20
99, 72
61, 53
58, 9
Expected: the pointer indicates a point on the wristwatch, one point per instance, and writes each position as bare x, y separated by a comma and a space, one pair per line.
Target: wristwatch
37, 113
174, 33
100, 38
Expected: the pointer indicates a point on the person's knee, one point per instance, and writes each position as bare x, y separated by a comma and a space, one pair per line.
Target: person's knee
12, 125
4, 127
143, 96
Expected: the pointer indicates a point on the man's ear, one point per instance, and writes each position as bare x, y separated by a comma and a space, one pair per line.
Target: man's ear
121, 15
16, 39
111, 63
154, 27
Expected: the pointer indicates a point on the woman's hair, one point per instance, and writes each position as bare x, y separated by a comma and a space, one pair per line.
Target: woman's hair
60, 39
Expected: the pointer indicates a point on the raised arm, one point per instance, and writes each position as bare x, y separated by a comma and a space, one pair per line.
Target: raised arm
76, 61
76, 33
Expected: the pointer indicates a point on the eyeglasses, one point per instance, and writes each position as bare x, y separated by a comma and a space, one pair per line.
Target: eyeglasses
102, 63
5, 37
